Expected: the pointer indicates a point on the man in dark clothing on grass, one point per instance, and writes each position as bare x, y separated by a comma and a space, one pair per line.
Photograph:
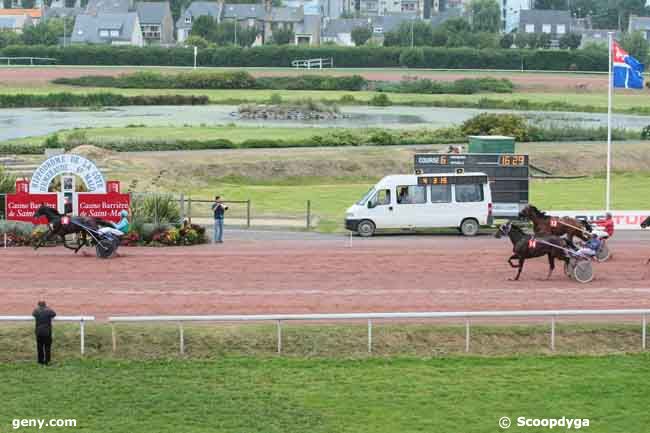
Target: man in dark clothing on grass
43, 315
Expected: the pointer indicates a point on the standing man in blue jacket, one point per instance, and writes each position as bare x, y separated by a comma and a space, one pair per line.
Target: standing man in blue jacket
219, 211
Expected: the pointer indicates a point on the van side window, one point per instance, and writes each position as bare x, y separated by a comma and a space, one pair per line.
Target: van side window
382, 198
441, 193
411, 194
469, 193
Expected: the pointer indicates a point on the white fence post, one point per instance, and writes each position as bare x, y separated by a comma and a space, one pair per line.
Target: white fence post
82, 331
369, 336
279, 336
553, 333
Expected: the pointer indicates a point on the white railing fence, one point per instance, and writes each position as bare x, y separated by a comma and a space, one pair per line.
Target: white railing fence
313, 63
80, 319
31, 59
467, 316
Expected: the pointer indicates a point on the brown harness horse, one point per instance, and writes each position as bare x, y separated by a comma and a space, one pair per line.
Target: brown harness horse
544, 224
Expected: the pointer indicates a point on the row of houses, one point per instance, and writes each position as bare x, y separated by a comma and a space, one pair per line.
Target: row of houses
122, 22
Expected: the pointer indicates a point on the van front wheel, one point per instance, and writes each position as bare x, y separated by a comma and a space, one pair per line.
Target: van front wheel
469, 227
366, 228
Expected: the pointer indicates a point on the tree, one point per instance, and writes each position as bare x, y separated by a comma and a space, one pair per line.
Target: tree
47, 32
205, 27
544, 41
196, 41
9, 38
456, 25
636, 45
361, 35
570, 41
486, 16
284, 36
507, 40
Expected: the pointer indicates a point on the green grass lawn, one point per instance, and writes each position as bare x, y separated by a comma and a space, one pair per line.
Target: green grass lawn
248, 395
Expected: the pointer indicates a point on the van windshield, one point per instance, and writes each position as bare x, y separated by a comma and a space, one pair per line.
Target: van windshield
366, 196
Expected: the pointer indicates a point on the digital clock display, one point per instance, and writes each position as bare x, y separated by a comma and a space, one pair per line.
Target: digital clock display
448, 180
434, 180
512, 160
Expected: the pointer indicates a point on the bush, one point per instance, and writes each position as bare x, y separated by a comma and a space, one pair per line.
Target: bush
496, 124
380, 100
52, 142
412, 58
645, 133
95, 100
7, 182
160, 209
462, 86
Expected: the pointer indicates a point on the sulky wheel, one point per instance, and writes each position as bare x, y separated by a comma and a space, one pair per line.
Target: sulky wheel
583, 271
603, 253
106, 247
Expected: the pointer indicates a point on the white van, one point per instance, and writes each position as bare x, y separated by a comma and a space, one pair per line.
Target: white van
408, 201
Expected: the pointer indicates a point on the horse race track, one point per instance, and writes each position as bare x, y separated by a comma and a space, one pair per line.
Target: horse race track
402, 273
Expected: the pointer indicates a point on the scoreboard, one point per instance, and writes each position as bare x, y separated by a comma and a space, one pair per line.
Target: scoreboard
507, 173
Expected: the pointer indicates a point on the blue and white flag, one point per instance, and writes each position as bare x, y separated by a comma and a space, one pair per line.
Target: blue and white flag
627, 71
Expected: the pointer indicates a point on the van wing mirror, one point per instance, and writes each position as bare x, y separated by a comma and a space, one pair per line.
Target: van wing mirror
370, 204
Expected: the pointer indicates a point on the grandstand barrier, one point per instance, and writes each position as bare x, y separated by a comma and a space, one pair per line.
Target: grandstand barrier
81, 319
553, 315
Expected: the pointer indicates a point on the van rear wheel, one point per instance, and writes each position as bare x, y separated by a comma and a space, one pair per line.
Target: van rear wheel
469, 227
366, 228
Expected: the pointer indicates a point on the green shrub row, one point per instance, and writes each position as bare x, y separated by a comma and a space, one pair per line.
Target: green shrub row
155, 80
344, 57
64, 99
244, 80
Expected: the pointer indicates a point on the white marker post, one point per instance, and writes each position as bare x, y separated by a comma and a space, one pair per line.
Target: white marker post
196, 52
610, 36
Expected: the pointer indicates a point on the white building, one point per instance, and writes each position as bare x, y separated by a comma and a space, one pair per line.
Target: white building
510, 11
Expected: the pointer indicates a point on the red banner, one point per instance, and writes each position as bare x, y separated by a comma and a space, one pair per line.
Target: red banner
21, 207
104, 206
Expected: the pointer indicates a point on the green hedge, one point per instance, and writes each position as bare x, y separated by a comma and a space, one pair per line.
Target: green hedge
96, 100
360, 57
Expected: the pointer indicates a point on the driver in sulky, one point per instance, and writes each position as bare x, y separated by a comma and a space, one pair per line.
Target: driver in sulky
121, 228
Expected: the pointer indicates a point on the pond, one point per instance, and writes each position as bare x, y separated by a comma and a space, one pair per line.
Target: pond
29, 122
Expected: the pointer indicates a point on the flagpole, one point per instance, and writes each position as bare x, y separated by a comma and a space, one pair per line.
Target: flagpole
609, 123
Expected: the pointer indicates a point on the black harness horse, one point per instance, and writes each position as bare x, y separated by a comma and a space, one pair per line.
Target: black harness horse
525, 246
646, 224
59, 226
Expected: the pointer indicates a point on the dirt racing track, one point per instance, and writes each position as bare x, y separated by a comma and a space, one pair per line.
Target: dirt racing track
404, 273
